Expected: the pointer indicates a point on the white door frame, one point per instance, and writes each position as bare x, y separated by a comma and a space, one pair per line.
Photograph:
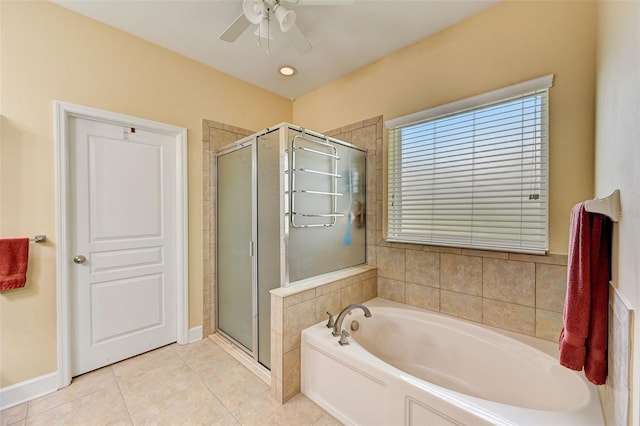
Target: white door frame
62, 112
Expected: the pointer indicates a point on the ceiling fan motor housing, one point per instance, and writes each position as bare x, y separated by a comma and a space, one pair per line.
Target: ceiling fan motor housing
254, 10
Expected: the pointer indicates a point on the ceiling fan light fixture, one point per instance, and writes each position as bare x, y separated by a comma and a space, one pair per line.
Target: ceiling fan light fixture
253, 10
287, 71
286, 18
264, 30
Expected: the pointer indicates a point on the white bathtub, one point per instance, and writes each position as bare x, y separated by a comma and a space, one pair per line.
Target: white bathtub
411, 367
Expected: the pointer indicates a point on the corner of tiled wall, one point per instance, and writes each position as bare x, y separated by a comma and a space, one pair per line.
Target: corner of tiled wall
292, 314
302, 310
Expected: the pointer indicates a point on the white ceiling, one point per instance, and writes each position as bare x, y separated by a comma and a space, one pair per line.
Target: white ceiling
345, 37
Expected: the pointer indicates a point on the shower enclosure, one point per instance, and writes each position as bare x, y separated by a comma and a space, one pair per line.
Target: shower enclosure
290, 205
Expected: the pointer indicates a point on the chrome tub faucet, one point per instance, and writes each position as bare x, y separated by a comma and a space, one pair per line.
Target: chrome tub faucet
337, 327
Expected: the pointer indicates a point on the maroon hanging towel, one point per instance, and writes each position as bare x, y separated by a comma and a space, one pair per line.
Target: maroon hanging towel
583, 340
14, 256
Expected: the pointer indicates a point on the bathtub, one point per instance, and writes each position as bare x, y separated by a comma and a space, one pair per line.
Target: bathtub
411, 367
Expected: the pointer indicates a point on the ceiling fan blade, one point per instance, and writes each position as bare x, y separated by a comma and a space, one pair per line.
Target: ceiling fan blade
236, 29
300, 42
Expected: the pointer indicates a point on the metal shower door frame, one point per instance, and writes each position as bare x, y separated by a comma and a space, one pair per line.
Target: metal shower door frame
251, 142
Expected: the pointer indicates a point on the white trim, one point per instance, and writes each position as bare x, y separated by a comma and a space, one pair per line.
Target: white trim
195, 334
18, 393
517, 89
62, 112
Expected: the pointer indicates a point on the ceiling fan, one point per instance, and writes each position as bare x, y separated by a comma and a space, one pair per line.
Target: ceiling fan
262, 12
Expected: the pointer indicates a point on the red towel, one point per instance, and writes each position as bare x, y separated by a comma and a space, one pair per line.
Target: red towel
583, 340
14, 256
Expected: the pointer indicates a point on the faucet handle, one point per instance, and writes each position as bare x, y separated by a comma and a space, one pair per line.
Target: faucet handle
344, 338
330, 323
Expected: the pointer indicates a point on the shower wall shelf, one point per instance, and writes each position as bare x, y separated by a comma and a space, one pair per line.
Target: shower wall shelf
333, 177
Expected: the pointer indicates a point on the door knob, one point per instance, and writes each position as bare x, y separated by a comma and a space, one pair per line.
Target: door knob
79, 259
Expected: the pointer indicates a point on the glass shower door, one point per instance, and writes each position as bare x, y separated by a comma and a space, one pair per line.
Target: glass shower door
235, 231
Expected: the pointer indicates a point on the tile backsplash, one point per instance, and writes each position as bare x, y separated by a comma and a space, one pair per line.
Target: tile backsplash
521, 293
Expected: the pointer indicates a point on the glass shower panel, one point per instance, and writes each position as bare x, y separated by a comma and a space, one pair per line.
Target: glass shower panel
269, 255
327, 230
234, 231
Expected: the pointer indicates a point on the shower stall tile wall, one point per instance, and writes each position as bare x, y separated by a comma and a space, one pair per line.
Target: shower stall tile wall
295, 308
289, 205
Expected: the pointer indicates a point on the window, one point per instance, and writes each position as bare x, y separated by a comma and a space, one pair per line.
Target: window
473, 173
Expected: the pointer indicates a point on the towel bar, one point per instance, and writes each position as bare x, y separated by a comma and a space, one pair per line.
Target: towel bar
608, 206
332, 182
38, 239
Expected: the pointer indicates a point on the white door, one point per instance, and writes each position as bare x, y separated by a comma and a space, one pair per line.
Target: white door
122, 184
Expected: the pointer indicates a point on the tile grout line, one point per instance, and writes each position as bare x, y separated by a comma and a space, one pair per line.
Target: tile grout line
57, 406
124, 400
209, 388
26, 413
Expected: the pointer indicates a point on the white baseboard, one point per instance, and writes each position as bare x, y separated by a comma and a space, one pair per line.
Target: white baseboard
195, 334
29, 389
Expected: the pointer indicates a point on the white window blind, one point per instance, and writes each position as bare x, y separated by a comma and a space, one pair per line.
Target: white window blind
473, 177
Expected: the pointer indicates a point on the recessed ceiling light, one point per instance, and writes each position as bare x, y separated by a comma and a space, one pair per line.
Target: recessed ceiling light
287, 70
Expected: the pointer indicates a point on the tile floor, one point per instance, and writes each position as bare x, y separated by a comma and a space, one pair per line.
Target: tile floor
195, 384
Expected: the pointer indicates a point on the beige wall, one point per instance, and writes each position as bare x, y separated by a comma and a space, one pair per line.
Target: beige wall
509, 43
49, 53
617, 156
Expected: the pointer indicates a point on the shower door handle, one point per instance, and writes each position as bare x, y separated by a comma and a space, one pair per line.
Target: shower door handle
251, 249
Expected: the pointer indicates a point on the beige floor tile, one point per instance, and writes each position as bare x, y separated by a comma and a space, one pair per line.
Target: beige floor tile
206, 358
195, 406
297, 411
247, 406
165, 356
223, 369
243, 393
80, 386
157, 385
195, 384
105, 406
306, 411
13, 415
201, 349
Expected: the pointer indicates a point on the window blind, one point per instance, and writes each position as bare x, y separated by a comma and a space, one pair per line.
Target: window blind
474, 178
